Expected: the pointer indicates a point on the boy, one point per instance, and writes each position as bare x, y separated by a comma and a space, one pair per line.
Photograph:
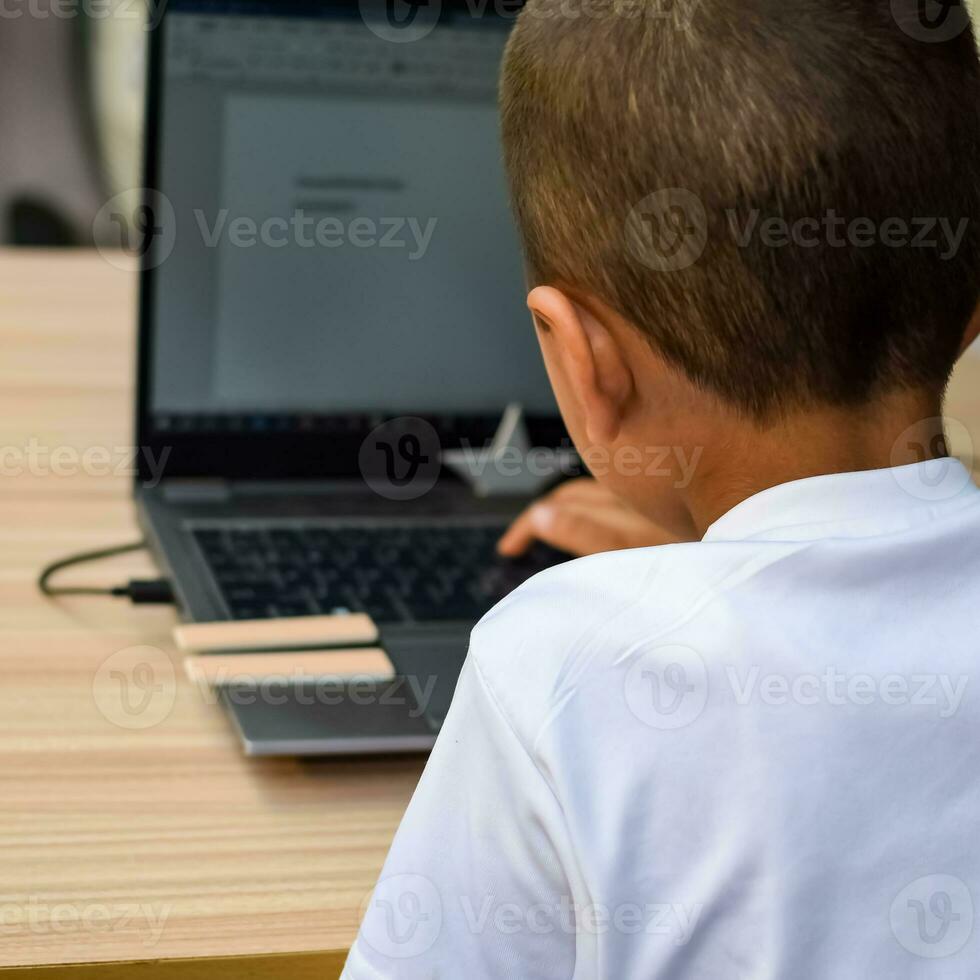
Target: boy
754, 752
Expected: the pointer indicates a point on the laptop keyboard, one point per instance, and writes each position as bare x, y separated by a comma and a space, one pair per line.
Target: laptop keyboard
396, 574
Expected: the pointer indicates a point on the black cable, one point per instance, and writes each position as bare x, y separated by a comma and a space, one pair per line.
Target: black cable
137, 590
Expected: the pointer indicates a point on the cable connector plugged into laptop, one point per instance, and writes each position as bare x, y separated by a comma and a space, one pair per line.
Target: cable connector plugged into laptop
137, 590
147, 590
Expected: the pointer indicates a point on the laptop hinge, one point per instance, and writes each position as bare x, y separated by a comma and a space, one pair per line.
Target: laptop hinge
197, 491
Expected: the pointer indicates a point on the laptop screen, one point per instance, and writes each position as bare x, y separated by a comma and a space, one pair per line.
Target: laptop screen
336, 243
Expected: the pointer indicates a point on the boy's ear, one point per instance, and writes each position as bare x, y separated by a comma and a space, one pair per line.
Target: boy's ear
591, 368
972, 330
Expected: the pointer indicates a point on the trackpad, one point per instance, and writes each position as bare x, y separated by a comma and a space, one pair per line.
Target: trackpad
430, 665
328, 716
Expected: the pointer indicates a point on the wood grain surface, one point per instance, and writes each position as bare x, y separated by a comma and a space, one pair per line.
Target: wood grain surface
141, 836
145, 835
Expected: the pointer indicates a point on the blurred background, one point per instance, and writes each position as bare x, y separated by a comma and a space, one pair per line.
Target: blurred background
71, 102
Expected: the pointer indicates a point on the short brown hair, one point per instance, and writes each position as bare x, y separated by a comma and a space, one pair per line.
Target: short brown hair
753, 109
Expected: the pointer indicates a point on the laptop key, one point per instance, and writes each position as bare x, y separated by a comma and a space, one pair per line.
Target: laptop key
409, 573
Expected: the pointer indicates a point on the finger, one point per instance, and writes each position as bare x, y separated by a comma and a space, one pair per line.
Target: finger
576, 528
520, 535
581, 488
579, 529
524, 531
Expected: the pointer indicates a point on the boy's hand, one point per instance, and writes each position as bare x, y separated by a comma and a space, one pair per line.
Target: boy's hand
583, 518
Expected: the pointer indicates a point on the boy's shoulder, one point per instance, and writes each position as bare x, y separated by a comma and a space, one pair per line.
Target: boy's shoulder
571, 621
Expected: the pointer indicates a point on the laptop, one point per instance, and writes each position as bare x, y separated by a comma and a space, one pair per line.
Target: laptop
339, 386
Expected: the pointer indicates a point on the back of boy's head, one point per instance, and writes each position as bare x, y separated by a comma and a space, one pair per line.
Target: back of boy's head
752, 109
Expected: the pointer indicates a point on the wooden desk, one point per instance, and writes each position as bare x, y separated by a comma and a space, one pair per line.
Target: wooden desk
163, 843
119, 844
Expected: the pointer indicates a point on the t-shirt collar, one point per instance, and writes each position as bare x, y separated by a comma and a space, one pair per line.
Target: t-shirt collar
855, 504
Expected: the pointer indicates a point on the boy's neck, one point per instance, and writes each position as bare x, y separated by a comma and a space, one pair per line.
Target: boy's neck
743, 459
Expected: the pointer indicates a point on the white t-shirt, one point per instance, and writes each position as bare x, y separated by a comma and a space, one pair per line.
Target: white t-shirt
752, 756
